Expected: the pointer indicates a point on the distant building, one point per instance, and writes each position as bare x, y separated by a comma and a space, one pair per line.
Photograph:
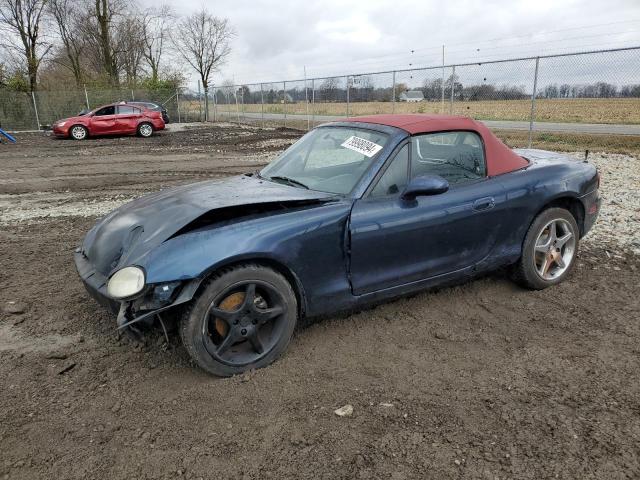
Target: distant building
411, 96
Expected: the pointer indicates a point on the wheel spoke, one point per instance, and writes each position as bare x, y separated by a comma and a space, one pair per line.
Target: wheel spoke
552, 232
249, 296
266, 314
255, 342
542, 248
225, 315
542, 269
559, 260
226, 343
563, 239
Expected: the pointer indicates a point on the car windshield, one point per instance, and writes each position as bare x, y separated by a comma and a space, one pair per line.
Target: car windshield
328, 159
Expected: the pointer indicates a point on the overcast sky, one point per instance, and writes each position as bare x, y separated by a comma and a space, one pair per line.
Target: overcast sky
275, 39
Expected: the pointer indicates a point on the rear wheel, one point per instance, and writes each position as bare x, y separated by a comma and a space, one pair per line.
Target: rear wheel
244, 319
549, 249
145, 130
78, 132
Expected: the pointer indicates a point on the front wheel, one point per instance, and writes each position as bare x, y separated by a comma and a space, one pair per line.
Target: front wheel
243, 319
78, 132
549, 250
145, 130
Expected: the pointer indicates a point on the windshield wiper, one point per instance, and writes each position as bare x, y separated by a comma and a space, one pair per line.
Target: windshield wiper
290, 181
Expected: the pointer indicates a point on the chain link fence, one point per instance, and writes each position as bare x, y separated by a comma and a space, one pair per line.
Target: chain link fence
38, 111
566, 102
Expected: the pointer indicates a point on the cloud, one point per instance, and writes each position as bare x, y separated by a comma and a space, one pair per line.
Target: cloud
275, 40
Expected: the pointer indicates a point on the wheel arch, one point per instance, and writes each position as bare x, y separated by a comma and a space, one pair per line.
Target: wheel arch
281, 268
570, 203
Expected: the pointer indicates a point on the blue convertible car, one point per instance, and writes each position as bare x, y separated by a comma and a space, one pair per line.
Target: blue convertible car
355, 212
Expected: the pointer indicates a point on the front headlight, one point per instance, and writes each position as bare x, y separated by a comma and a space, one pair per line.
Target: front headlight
61, 124
126, 282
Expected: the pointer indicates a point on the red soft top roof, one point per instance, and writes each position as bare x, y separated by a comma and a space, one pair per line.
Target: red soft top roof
500, 158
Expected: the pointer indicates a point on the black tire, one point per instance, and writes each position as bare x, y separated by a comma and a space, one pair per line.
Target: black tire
78, 132
526, 271
200, 330
145, 130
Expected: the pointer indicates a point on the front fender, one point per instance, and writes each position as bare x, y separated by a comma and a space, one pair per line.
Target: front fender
308, 243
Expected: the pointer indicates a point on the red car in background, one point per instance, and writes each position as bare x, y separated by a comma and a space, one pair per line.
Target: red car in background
114, 119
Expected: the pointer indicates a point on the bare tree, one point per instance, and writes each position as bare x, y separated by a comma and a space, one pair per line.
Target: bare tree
69, 18
104, 13
204, 43
128, 46
157, 25
23, 18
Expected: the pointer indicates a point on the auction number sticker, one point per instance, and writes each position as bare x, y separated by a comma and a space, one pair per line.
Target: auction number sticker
361, 145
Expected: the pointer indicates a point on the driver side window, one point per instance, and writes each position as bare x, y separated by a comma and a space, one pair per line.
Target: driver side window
111, 110
394, 180
457, 157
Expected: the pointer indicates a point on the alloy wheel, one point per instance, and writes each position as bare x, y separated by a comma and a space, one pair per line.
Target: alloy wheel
554, 249
146, 130
79, 133
244, 323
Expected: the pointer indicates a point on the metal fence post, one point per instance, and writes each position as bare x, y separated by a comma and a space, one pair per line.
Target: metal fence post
235, 95
533, 102
178, 104
393, 94
215, 107
347, 77
35, 108
313, 102
442, 83
306, 100
199, 101
86, 97
453, 86
262, 104
244, 113
284, 100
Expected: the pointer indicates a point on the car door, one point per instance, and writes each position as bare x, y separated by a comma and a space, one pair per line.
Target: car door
127, 118
395, 241
103, 121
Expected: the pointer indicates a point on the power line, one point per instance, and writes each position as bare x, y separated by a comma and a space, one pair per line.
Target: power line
411, 61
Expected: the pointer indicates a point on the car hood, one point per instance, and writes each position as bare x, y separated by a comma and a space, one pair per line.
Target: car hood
138, 226
71, 119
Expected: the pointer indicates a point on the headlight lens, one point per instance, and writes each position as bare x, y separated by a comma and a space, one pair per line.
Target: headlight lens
126, 282
61, 124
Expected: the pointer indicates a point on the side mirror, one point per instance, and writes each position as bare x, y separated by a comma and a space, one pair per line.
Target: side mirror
84, 111
425, 185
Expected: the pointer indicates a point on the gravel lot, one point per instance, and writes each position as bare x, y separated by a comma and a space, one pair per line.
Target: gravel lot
482, 380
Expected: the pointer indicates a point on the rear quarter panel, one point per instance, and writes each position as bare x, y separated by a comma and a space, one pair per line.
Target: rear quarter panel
549, 177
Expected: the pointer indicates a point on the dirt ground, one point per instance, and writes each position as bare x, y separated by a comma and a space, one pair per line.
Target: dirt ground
483, 380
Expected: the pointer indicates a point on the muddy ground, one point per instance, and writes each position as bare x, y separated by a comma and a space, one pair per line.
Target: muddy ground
482, 380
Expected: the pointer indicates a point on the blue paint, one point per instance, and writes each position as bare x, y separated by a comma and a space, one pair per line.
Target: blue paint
339, 251
7, 136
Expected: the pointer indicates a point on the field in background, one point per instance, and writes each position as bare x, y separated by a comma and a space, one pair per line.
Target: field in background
574, 110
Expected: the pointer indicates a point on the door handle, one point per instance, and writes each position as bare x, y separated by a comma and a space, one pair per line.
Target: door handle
486, 203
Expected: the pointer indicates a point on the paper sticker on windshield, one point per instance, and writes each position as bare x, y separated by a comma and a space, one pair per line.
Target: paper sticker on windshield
360, 145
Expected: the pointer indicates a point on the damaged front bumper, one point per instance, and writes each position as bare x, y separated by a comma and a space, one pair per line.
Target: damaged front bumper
144, 308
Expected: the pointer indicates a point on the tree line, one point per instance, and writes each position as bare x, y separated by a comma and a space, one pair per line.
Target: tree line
46, 44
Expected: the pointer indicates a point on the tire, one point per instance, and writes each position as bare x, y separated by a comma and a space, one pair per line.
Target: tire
145, 130
549, 250
231, 327
78, 132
